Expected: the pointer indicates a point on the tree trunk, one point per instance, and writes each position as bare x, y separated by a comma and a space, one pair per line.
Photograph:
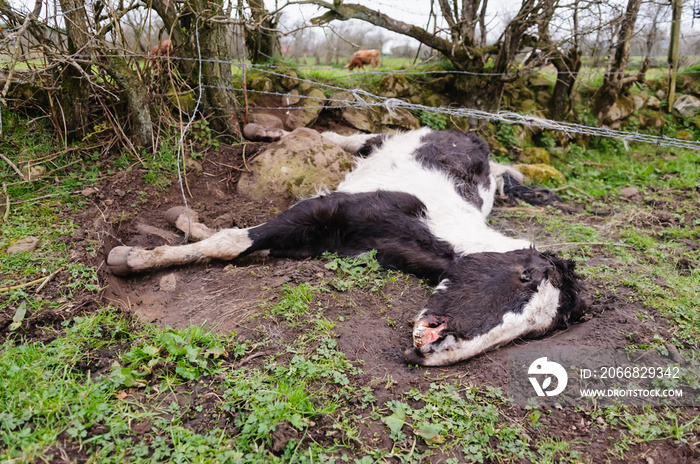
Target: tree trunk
216, 75
136, 98
614, 78
74, 95
194, 36
567, 71
261, 38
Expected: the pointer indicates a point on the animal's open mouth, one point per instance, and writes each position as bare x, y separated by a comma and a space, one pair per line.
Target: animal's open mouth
428, 329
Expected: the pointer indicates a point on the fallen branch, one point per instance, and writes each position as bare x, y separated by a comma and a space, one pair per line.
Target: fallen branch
551, 245
48, 279
6, 215
571, 187
14, 166
33, 282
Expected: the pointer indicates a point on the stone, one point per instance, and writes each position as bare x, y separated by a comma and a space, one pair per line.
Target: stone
686, 106
638, 101
341, 99
685, 135
26, 244
652, 120
538, 81
660, 94
357, 119
33, 172
185, 102
542, 97
168, 283
629, 192
653, 103
290, 79
193, 164
534, 155
395, 85
621, 109
399, 118
541, 173
292, 98
261, 84
307, 111
523, 136
297, 166
267, 121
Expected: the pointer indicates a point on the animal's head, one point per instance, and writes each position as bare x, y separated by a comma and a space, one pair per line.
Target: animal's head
352, 64
489, 299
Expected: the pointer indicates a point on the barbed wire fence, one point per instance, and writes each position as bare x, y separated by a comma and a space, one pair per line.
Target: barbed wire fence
364, 99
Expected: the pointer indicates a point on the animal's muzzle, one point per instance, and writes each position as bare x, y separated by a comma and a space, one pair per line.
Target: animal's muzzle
428, 329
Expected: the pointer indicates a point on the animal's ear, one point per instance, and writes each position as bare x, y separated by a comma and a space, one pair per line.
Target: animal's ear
532, 275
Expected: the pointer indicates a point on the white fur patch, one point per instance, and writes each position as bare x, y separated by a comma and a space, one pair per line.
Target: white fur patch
393, 167
538, 315
442, 286
349, 143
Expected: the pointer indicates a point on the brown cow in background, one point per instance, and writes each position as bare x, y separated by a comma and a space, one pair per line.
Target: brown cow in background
164, 49
362, 57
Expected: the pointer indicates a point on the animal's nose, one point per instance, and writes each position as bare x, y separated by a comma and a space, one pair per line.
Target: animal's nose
427, 329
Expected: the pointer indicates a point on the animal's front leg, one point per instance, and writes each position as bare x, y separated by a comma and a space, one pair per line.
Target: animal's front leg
225, 245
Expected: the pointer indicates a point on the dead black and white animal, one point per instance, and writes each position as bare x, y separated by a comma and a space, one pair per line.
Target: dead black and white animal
420, 199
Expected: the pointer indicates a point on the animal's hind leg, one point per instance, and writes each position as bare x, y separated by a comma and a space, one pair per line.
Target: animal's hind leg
225, 244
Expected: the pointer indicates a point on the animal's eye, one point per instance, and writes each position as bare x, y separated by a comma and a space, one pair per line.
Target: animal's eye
526, 276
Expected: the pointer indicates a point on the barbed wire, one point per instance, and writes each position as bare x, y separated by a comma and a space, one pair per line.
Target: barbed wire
364, 99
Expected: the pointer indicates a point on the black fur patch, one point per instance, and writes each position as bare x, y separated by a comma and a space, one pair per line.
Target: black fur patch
532, 195
371, 145
350, 224
462, 156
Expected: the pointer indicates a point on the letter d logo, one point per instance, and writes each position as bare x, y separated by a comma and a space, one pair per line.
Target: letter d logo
548, 368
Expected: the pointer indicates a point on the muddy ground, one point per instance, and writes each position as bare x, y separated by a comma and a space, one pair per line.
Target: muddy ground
371, 327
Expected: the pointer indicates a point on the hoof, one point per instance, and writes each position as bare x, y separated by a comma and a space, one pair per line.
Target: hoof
175, 212
257, 133
253, 132
117, 261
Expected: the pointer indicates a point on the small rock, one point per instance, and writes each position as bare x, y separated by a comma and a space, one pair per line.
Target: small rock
168, 283
88, 191
653, 103
601, 421
534, 155
293, 97
26, 244
33, 172
541, 172
193, 165
629, 192
119, 192
685, 135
